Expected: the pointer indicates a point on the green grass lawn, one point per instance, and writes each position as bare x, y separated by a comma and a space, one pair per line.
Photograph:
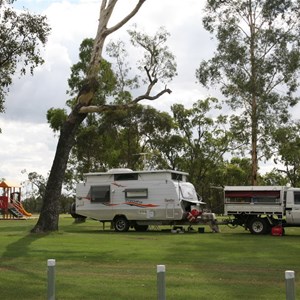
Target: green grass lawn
96, 264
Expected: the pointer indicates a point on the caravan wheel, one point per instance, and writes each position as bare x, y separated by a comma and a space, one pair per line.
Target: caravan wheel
121, 224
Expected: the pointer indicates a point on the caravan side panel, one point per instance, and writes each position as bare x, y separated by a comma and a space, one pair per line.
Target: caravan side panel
93, 199
147, 200
137, 200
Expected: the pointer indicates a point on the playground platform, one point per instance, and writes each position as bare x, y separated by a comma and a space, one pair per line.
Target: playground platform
11, 207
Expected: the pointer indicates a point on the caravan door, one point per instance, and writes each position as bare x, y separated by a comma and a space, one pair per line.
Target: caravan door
101, 206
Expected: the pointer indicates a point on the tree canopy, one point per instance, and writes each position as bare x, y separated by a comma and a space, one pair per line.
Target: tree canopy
21, 36
287, 139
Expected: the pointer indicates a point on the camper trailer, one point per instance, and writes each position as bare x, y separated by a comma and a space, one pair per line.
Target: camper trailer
138, 199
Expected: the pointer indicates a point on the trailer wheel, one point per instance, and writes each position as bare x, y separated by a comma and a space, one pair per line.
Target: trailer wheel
140, 228
259, 226
121, 224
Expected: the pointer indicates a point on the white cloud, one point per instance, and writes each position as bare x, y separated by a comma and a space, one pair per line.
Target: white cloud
25, 146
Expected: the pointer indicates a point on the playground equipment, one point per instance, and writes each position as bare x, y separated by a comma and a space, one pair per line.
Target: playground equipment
10, 201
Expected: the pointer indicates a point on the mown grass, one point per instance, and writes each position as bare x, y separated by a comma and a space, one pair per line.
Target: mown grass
96, 264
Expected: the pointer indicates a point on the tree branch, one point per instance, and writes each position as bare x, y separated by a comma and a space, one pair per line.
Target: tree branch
126, 19
148, 97
112, 107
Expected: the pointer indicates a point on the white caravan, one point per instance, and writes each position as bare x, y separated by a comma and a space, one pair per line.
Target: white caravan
138, 199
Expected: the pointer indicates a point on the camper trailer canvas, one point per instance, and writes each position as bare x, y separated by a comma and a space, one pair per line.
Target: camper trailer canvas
138, 199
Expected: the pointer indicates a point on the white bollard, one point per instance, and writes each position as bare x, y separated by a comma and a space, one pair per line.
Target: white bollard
51, 279
161, 282
290, 285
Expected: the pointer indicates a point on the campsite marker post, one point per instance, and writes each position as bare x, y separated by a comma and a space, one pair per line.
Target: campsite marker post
290, 285
51, 279
161, 282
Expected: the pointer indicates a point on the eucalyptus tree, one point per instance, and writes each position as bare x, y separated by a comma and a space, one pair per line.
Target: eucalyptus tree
21, 35
255, 65
287, 139
157, 140
236, 171
205, 140
127, 132
84, 104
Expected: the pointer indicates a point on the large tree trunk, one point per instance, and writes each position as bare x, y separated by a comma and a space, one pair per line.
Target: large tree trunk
48, 220
49, 216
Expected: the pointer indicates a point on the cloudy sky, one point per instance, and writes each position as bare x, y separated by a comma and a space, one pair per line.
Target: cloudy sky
26, 140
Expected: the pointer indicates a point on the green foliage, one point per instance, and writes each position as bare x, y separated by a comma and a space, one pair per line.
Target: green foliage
36, 184
33, 204
88, 155
56, 117
158, 60
124, 83
205, 137
80, 69
237, 172
116, 137
34, 190
287, 139
106, 79
21, 35
256, 65
275, 177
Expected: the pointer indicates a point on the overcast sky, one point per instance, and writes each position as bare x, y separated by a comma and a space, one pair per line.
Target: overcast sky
26, 140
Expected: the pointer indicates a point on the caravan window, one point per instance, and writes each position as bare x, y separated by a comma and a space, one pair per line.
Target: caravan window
126, 176
100, 193
188, 191
297, 197
176, 177
136, 193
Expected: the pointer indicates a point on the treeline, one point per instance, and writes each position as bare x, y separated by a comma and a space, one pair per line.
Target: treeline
198, 140
34, 204
34, 190
209, 140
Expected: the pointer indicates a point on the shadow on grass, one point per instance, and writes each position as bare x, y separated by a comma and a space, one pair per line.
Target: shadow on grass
21, 245
83, 227
15, 266
113, 232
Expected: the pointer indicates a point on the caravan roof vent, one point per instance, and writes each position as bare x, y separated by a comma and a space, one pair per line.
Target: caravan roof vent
119, 170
